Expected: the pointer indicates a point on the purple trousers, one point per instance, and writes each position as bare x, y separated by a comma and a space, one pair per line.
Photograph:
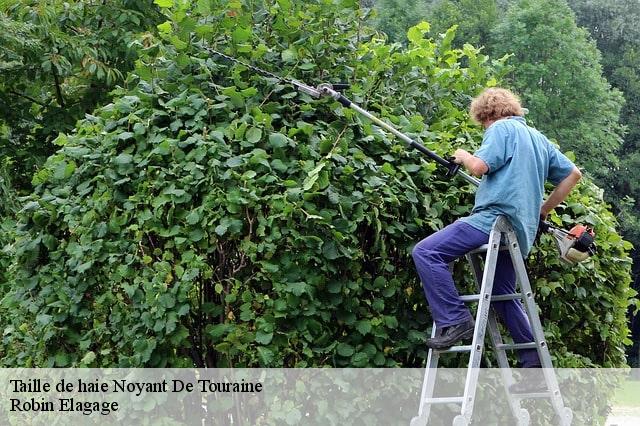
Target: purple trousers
432, 257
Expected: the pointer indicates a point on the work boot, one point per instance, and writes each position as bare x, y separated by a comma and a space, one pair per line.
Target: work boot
451, 335
530, 384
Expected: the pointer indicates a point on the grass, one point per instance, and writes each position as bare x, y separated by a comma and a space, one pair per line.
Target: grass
628, 395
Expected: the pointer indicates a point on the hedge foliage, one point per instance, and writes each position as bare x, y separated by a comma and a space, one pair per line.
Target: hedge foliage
213, 217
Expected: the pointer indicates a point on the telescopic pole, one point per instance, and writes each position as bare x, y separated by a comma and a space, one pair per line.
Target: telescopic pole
452, 168
327, 89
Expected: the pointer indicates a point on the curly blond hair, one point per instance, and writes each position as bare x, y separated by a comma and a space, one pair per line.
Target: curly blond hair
493, 104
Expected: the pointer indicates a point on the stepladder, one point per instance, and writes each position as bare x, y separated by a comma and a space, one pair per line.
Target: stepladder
501, 238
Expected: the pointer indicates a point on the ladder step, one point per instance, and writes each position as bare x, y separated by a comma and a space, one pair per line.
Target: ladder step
532, 395
494, 298
445, 400
507, 346
483, 248
462, 348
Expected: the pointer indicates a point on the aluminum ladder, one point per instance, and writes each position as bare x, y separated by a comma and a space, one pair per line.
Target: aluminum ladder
502, 237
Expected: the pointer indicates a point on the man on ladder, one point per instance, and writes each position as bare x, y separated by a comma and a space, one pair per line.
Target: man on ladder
514, 161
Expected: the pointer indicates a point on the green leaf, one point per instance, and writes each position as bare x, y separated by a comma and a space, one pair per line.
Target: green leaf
193, 217
279, 165
312, 177
334, 287
62, 360
298, 288
221, 229
164, 3
387, 168
83, 267
61, 140
363, 326
165, 28
414, 35
218, 330
289, 55
278, 140
325, 146
204, 30
390, 321
204, 7
123, 159
307, 66
345, 349
178, 42
241, 34
88, 358
266, 356
253, 135
234, 161
125, 135
380, 282
309, 181
329, 250
263, 337
388, 291
196, 235
360, 359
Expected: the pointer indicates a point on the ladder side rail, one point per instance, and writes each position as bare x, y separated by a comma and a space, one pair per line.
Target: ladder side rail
482, 316
522, 280
531, 309
520, 414
429, 381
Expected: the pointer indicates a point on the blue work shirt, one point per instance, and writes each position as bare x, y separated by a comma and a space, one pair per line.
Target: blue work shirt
520, 160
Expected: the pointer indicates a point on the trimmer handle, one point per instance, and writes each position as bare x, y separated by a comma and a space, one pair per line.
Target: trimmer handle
543, 226
452, 167
340, 86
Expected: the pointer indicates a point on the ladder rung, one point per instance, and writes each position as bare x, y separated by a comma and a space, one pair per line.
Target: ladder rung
483, 248
511, 346
445, 400
532, 395
462, 348
494, 298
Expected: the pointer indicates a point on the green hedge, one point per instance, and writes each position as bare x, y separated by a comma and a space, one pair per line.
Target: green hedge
210, 216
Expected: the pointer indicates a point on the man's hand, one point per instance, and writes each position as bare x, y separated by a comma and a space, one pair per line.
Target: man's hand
460, 155
474, 165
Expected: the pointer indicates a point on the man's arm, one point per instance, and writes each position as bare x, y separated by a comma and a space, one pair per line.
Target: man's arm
474, 165
560, 192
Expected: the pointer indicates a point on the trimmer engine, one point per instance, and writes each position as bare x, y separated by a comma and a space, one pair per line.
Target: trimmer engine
575, 246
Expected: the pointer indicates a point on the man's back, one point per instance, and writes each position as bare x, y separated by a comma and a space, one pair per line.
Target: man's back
520, 160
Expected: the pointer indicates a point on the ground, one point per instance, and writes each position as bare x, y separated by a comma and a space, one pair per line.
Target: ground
626, 408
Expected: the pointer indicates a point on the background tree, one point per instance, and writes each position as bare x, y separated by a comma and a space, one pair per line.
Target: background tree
394, 17
613, 25
474, 19
558, 74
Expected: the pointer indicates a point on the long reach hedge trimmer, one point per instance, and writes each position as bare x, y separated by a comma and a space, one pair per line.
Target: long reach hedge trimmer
573, 246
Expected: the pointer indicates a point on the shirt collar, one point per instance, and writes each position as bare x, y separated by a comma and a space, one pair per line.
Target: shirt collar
512, 117
517, 118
